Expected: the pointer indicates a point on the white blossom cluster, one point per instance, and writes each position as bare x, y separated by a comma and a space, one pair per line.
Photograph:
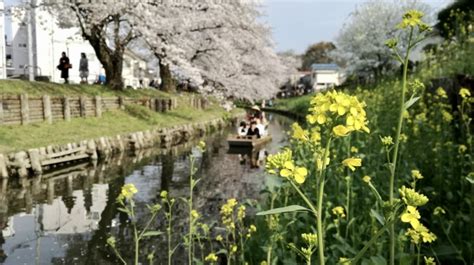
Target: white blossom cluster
217, 46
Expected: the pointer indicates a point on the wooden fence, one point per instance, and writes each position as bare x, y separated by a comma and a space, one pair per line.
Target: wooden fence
23, 109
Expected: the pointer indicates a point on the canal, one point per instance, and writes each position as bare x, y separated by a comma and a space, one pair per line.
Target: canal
65, 216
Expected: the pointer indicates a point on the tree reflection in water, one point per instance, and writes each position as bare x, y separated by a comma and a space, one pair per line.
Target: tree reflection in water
66, 216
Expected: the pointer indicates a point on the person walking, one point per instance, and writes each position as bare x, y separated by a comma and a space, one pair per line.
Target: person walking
64, 67
84, 68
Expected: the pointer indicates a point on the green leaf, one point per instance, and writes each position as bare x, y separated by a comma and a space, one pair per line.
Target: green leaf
377, 216
152, 233
125, 210
195, 182
288, 209
378, 260
273, 182
470, 179
197, 261
410, 102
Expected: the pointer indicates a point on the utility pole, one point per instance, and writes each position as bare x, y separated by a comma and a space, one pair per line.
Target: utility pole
31, 74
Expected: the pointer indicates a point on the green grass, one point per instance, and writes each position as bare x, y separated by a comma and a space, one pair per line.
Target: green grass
16, 87
132, 119
295, 104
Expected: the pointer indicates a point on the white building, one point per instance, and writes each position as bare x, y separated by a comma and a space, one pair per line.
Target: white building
3, 64
326, 76
49, 41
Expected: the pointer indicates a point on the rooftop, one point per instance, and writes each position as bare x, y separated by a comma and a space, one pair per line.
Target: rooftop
324, 66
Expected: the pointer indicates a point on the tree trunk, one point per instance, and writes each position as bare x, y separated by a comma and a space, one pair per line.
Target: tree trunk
113, 72
168, 83
111, 60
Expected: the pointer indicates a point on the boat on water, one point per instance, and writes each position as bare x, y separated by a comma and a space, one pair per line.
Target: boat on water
248, 141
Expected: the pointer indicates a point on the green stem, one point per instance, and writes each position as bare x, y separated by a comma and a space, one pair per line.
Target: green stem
147, 225
320, 223
319, 219
269, 253
372, 241
119, 256
135, 232
137, 243
397, 144
190, 204
308, 202
418, 254
242, 257
170, 254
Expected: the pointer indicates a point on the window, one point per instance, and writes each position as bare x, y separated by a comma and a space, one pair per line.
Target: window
22, 45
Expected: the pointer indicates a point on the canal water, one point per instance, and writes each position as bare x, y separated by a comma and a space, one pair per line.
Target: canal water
65, 216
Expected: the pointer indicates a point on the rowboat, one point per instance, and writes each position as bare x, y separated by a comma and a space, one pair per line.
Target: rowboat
248, 141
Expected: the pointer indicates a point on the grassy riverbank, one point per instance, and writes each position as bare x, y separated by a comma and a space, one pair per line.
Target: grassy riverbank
16, 87
133, 118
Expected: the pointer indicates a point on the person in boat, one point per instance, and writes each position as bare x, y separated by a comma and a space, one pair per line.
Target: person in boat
253, 130
261, 127
242, 130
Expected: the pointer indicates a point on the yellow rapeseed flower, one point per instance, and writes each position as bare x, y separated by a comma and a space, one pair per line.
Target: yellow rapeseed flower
441, 93
340, 131
391, 43
367, 179
194, 214
219, 238
319, 163
275, 162
290, 171
334, 106
338, 211
352, 163
447, 117
228, 208
462, 148
354, 149
412, 18
202, 146
310, 239
420, 235
412, 216
412, 198
429, 261
252, 229
438, 211
344, 261
241, 212
403, 138
415, 174
299, 133
164, 194
128, 190
212, 257
464, 93
387, 140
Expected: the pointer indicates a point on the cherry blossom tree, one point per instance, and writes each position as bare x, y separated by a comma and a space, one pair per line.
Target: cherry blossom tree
217, 47
361, 42
223, 50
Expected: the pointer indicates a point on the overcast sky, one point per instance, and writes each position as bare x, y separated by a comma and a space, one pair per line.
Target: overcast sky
298, 23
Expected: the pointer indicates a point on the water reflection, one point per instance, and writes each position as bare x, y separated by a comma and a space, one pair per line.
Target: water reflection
65, 217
